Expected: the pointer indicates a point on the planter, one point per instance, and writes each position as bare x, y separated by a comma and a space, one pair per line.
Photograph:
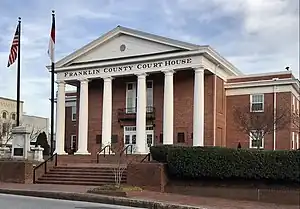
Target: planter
112, 190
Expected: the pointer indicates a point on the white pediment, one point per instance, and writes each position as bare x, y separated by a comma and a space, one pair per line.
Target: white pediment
133, 47
136, 43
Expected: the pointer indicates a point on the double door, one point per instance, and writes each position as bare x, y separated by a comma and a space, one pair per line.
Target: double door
130, 138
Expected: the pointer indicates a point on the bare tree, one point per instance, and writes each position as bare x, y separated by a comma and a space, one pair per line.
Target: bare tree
6, 131
122, 161
296, 119
259, 124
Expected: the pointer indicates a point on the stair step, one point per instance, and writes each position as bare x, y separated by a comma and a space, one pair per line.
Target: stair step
77, 179
98, 175
71, 183
48, 176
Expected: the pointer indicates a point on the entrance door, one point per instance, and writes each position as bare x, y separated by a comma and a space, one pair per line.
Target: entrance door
130, 137
149, 139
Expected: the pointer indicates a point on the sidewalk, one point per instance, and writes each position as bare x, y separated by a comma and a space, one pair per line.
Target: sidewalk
209, 203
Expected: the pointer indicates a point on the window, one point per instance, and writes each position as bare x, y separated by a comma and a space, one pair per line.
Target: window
131, 98
180, 137
4, 115
293, 104
256, 139
13, 116
149, 96
293, 140
73, 141
257, 103
73, 113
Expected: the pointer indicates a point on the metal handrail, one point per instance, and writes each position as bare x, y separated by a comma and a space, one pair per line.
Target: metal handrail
147, 156
45, 163
103, 149
126, 149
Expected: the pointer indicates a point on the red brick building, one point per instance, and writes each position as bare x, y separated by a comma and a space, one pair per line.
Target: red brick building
135, 88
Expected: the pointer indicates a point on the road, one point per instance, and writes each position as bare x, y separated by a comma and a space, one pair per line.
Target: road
23, 202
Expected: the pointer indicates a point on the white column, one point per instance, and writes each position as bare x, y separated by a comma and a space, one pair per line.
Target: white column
60, 119
107, 111
83, 118
141, 114
198, 120
168, 121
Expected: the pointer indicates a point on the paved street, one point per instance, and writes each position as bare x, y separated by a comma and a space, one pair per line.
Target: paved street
22, 202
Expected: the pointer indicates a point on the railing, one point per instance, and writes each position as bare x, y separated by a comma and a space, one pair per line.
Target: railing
130, 113
126, 149
148, 157
45, 167
104, 152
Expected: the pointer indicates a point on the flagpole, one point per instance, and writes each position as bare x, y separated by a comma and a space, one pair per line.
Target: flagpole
18, 74
52, 100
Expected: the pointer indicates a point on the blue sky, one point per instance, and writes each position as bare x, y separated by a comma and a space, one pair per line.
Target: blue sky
255, 35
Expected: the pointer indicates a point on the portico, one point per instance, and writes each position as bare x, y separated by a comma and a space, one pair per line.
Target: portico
145, 55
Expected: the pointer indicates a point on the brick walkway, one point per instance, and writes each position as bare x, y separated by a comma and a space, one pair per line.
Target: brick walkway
209, 203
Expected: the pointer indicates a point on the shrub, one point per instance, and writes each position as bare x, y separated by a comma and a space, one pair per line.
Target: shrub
160, 152
224, 163
42, 140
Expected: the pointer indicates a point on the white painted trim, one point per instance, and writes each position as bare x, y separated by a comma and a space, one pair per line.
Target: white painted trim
262, 89
262, 143
127, 31
261, 74
195, 54
134, 86
72, 140
74, 111
263, 102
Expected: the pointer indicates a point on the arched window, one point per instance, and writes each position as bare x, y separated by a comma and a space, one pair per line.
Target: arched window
13, 116
4, 115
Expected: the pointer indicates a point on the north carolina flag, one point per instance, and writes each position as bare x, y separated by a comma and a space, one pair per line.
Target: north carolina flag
52, 39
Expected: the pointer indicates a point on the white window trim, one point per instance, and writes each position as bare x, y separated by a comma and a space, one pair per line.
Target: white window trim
250, 142
72, 139
263, 103
74, 112
135, 88
293, 140
150, 105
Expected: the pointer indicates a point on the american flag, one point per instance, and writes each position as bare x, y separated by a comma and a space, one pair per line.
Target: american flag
14, 48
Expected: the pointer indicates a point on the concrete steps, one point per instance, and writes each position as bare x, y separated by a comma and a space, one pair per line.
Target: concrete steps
93, 175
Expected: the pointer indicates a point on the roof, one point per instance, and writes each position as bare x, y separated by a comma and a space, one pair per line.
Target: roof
8, 99
127, 31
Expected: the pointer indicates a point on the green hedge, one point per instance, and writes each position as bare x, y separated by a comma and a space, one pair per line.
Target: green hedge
224, 163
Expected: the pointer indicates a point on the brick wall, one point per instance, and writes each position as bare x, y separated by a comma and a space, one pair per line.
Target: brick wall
23, 175
234, 136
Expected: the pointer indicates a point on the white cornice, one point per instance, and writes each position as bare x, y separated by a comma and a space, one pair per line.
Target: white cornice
294, 83
261, 74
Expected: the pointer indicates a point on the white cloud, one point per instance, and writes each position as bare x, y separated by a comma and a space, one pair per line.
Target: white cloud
255, 35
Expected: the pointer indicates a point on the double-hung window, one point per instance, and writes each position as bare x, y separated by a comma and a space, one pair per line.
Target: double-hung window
257, 103
131, 96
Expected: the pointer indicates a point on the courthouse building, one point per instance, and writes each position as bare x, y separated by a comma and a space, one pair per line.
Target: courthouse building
140, 89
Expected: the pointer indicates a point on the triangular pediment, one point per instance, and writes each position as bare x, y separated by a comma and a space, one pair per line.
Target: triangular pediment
124, 42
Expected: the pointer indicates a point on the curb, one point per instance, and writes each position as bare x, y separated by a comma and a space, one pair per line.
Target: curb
87, 197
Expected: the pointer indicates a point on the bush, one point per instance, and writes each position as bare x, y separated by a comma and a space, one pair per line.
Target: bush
160, 152
42, 140
221, 163
226, 163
